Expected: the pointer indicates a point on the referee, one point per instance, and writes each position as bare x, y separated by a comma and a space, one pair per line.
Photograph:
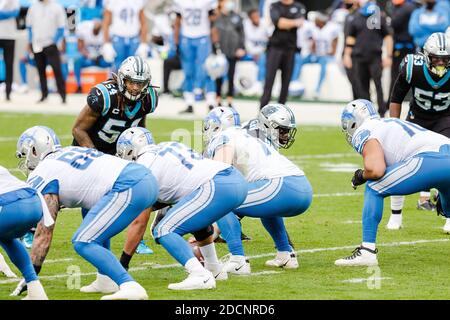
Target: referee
286, 16
45, 23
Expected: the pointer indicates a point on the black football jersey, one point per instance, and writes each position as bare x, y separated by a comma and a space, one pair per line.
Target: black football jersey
103, 99
431, 94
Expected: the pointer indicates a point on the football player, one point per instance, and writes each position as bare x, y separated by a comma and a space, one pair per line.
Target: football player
277, 188
125, 31
193, 35
400, 158
21, 208
427, 75
114, 106
201, 191
114, 192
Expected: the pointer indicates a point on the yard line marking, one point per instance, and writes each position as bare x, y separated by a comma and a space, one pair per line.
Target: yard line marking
58, 260
337, 194
352, 222
176, 265
323, 156
362, 280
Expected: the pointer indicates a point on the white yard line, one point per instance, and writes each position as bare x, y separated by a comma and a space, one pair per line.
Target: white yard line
364, 280
147, 266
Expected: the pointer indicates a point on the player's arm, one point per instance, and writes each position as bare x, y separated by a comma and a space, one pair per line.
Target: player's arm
399, 91
214, 32
82, 47
176, 31
107, 19
43, 235
349, 44
85, 121
281, 22
374, 163
144, 26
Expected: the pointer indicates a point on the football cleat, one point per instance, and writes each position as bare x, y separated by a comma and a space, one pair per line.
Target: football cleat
102, 284
143, 248
27, 239
286, 260
130, 290
238, 265
195, 281
218, 271
395, 222
447, 225
361, 256
4, 268
35, 291
426, 205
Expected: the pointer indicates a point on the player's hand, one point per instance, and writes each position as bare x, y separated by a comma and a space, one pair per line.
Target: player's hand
142, 50
387, 62
240, 53
347, 61
108, 52
358, 178
21, 287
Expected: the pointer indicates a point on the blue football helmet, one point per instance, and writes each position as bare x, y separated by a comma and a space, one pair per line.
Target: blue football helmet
34, 145
354, 115
133, 142
217, 120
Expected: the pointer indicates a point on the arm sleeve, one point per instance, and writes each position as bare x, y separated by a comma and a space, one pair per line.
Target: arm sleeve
385, 29
352, 30
275, 14
51, 188
402, 83
95, 100
241, 34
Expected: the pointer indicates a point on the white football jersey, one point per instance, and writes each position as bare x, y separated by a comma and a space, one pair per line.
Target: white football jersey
125, 17
324, 37
195, 16
256, 37
305, 36
9, 183
178, 170
252, 157
92, 42
399, 139
83, 175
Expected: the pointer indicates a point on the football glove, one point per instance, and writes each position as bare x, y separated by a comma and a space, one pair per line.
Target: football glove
358, 178
108, 52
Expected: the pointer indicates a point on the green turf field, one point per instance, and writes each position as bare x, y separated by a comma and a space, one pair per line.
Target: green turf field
331, 228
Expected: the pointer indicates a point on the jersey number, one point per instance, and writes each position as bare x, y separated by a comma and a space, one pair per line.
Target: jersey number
424, 99
172, 149
80, 158
127, 15
193, 17
109, 133
407, 126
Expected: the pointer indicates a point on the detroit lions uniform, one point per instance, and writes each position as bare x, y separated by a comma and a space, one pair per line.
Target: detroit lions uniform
201, 190
430, 104
114, 190
21, 209
277, 187
104, 100
416, 158
253, 128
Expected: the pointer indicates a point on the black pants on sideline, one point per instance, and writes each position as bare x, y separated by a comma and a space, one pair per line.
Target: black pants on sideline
230, 73
278, 58
51, 56
170, 64
367, 69
8, 55
351, 78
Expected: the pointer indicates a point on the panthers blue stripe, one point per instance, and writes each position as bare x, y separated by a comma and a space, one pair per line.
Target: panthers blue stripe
409, 69
106, 98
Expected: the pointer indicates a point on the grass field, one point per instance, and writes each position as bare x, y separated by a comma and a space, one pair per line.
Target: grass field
331, 228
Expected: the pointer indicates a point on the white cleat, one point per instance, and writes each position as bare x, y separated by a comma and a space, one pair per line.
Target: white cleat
284, 259
4, 268
218, 271
130, 290
195, 281
447, 225
35, 291
360, 257
238, 265
395, 222
103, 284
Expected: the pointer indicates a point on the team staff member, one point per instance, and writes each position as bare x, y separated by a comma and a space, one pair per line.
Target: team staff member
45, 23
286, 16
351, 6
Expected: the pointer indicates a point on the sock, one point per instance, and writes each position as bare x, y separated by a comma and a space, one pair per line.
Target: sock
369, 245
20, 258
125, 260
193, 265
104, 260
230, 230
177, 247
23, 72
189, 98
277, 230
209, 253
397, 203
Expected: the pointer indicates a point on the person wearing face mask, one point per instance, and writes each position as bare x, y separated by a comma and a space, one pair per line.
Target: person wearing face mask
432, 17
231, 38
90, 41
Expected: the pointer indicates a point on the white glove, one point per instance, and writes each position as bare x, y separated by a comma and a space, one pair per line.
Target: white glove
108, 52
4, 268
21, 287
142, 50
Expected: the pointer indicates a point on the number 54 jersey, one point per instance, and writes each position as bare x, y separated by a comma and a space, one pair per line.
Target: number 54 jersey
80, 176
113, 120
